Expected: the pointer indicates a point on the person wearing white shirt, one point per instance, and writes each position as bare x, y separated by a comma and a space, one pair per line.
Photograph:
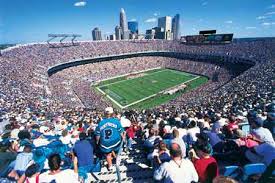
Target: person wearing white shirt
192, 131
177, 170
179, 141
149, 143
56, 174
65, 138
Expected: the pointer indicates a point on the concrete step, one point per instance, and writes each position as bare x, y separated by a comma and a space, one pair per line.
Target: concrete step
136, 175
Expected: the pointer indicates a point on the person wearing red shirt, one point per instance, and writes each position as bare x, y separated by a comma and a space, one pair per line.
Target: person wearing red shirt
205, 164
131, 132
233, 124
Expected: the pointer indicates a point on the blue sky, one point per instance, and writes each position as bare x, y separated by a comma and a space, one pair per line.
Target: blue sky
23, 21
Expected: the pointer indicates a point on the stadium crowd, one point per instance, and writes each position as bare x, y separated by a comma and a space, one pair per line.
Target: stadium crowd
44, 128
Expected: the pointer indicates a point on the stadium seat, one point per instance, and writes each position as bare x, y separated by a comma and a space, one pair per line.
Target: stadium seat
253, 169
245, 128
167, 142
231, 171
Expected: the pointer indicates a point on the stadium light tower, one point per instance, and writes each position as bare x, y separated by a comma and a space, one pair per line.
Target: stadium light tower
62, 38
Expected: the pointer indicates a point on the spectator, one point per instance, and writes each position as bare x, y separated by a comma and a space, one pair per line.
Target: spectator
263, 153
56, 174
109, 134
83, 151
31, 175
21, 162
223, 179
179, 141
193, 129
269, 123
214, 138
150, 141
258, 132
162, 156
177, 168
130, 134
206, 165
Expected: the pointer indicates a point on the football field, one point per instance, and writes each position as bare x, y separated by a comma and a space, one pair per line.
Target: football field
137, 89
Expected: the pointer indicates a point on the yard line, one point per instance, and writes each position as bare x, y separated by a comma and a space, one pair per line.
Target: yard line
132, 78
143, 99
182, 73
129, 74
138, 101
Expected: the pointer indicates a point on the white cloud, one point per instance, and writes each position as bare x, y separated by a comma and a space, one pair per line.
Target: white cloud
228, 22
150, 20
272, 6
268, 23
250, 27
270, 13
80, 3
133, 19
261, 17
204, 3
156, 14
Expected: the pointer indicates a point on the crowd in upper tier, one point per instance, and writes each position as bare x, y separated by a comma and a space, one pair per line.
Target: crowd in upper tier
46, 121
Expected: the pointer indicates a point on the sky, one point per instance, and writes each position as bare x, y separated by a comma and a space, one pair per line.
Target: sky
25, 21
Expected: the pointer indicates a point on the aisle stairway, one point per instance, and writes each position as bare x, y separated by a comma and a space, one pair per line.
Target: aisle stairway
133, 168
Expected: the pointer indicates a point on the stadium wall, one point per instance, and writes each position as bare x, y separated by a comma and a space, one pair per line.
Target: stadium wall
219, 60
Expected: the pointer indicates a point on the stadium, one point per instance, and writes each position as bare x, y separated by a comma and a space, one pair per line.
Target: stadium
203, 102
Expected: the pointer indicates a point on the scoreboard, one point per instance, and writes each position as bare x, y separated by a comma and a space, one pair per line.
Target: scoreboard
209, 39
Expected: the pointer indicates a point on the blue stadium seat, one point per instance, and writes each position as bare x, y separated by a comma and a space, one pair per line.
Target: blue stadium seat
231, 171
253, 169
167, 142
245, 128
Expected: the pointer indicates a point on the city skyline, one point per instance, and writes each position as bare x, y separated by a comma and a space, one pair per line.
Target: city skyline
32, 21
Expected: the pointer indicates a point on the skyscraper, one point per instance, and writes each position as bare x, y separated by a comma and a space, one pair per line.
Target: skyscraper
118, 33
96, 34
166, 24
176, 27
112, 37
123, 24
133, 27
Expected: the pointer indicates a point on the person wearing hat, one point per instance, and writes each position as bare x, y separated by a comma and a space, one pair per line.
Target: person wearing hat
109, 135
214, 138
205, 164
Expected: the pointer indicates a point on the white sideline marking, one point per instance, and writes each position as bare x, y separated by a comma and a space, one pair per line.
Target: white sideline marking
138, 101
109, 97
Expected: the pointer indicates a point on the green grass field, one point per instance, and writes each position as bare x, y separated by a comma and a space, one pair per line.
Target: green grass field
144, 90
